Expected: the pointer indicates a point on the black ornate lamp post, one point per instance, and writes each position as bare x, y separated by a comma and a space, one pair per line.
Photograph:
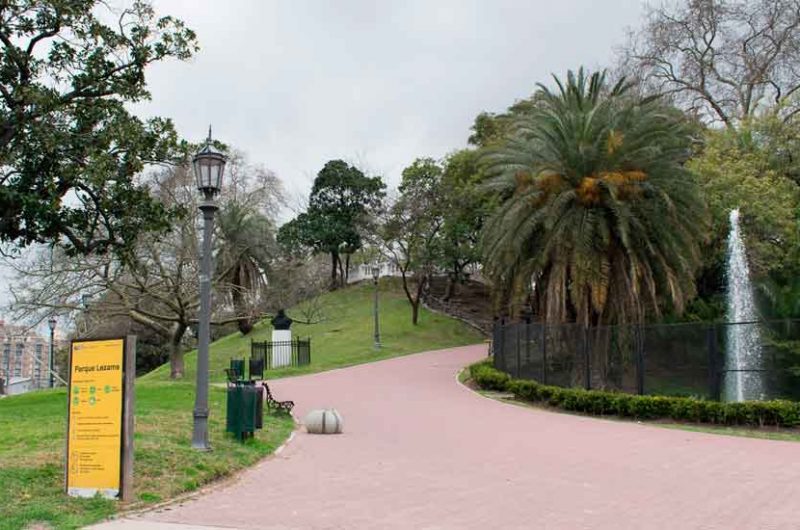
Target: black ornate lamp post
209, 166
52, 324
376, 273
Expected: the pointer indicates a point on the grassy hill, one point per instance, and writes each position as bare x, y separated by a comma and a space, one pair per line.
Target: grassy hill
32, 426
345, 334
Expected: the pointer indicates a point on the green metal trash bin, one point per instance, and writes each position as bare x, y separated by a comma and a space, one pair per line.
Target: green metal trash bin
244, 409
235, 407
237, 367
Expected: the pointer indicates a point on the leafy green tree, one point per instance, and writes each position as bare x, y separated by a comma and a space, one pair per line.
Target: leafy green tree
751, 168
70, 150
487, 129
599, 217
341, 205
465, 206
410, 234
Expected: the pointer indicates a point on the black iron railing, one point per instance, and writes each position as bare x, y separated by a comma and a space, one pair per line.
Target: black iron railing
668, 359
296, 352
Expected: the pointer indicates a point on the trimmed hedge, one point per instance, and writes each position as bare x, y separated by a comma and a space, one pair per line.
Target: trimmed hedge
752, 413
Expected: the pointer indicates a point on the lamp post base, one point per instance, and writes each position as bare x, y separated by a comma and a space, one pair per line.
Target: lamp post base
200, 431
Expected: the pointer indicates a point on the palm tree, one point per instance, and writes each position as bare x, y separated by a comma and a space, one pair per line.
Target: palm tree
247, 245
599, 220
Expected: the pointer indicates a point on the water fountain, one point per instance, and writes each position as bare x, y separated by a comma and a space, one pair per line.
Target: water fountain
743, 350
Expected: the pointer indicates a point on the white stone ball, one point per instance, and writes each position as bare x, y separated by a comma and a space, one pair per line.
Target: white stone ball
323, 421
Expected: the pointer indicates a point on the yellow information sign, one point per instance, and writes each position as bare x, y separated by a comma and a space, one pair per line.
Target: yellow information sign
95, 434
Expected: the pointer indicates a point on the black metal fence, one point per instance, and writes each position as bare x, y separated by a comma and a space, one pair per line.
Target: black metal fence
296, 352
667, 359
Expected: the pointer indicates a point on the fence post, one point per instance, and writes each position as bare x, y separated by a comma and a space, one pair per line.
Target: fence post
639, 336
519, 351
713, 363
527, 338
495, 340
499, 352
544, 352
586, 352
493, 343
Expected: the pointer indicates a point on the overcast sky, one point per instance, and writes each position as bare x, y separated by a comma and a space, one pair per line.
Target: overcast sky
297, 83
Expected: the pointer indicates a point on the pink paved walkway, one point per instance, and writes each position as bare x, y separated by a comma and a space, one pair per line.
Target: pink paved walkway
421, 451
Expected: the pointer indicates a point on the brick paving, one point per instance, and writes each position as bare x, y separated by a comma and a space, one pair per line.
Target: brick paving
422, 452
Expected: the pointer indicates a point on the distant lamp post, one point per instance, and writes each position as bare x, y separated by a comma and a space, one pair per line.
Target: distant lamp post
209, 165
52, 324
376, 273
85, 299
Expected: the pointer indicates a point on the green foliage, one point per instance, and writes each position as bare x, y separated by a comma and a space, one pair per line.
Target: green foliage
466, 207
751, 413
411, 233
66, 81
247, 247
744, 168
598, 212
340, 205
487, 129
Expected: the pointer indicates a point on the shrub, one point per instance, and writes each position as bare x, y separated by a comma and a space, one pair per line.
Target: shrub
490, 379
776, 413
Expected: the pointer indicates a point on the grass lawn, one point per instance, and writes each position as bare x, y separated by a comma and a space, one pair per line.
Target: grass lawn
345, 335
32, 433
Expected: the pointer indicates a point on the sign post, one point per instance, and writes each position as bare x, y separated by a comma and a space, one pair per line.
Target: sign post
99, 455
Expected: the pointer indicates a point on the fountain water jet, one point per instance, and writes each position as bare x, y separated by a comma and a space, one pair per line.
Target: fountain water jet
743, 351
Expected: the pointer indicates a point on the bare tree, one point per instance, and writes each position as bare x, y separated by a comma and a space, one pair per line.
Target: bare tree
299, 282
155, 284
722, 60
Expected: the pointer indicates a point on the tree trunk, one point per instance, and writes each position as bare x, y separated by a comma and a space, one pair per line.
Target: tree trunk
240, 307
347, 269
176, 352
451, 286
415, 312
334, 259
341, 271
175, 361
421, 284
406, 290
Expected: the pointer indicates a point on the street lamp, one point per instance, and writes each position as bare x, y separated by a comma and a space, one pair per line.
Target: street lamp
85, 299
209, 166
376, 273
52, 324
